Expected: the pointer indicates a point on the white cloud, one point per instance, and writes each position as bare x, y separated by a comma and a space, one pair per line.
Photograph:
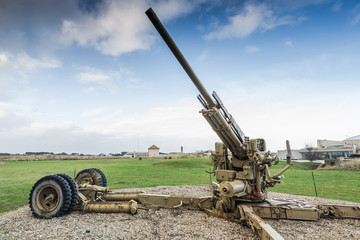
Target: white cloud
134, 83
285, 5
110, 26
250, 19
252, 49
356, 18
170, 9
89, 90
121, 26
3, 58
28, 131
179, 124
118, 29
112, 81
337, 6
108, 130
94, 113
203, 56
97, 79
171, 125
290, 115
23, 61
288, 43
15, 70
10, 119
242, 24
88, 77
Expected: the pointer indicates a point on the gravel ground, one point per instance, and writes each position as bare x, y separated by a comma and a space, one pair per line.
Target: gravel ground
161, 223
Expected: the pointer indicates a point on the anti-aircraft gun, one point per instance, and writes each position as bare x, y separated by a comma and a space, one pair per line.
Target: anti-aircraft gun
239, 195
246, 175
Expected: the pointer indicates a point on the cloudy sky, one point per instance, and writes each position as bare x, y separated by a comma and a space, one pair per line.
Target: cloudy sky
95, 77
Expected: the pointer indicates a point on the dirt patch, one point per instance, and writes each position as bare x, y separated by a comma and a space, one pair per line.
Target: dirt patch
162, 223
2, 164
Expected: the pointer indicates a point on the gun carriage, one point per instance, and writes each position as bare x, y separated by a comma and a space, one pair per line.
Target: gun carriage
240, 191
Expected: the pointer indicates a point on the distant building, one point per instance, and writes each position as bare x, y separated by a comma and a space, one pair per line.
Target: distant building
349, 142
153, 151
326, 153
133, 154
129, 154
295, 154
353, 141
332, 149
122, 153
141, 154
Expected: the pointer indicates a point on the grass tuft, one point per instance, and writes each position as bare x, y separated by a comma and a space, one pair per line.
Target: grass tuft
352, 165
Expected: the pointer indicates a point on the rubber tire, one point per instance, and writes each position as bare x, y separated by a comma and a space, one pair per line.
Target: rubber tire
64, 197
74, 190
98, 179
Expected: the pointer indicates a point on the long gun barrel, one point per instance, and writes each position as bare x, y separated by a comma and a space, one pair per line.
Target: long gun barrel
215, 112
175, 50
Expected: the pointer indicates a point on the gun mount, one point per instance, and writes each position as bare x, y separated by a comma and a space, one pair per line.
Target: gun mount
239, 194
246, 175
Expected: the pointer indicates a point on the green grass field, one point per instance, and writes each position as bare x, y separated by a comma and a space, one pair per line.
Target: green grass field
17, 178
332, 184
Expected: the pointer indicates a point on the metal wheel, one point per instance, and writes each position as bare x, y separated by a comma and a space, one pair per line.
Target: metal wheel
91, 176
50, 197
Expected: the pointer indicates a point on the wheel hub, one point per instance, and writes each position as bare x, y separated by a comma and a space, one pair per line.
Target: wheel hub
47, 198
